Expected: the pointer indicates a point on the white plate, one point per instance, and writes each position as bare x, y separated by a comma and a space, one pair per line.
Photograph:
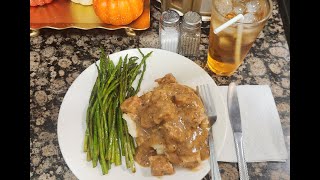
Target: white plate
71, 120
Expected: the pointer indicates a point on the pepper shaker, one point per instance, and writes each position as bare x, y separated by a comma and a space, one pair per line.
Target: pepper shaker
169, 30
190, 35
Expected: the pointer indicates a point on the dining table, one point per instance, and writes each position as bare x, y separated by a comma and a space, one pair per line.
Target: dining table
57, 58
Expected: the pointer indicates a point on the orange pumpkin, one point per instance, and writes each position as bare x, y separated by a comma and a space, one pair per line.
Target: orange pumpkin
39, 2
118, 12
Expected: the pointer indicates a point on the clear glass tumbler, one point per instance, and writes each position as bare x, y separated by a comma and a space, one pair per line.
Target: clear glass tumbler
228, 48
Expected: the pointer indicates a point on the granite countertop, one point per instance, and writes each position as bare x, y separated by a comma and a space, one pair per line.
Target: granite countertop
57, 57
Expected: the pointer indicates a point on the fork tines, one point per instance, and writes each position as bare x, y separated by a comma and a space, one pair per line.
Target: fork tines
205, 92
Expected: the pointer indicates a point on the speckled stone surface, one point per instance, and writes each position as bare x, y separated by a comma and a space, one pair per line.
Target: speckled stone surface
57, 57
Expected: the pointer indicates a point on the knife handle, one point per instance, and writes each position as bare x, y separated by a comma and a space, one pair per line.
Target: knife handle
243, 171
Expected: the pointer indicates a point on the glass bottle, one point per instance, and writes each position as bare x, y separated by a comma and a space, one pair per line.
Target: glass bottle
169, 31
190, 35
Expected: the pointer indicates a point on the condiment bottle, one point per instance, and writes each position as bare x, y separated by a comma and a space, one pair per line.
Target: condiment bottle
169, 30
190, 35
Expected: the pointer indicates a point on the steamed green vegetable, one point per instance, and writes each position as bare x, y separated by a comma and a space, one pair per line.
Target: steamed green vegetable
107, 138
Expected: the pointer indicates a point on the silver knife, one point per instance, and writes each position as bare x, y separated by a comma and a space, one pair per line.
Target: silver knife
235, 119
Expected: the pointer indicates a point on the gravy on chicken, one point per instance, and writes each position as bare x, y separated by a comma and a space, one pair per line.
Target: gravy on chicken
171, 127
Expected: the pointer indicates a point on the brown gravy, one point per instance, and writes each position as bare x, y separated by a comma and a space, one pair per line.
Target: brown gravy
170, 120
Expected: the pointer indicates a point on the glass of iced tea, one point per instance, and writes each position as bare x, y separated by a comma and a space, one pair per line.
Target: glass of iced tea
228, 48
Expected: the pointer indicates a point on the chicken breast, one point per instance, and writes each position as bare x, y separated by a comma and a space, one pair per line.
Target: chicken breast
170, 126
160, 165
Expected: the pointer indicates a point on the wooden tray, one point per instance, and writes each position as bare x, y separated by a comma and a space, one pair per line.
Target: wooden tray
62, 14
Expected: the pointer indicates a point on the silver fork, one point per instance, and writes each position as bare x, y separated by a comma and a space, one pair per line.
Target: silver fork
206, 96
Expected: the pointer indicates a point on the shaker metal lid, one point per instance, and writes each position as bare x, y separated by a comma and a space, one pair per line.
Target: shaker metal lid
191, 20
169, 18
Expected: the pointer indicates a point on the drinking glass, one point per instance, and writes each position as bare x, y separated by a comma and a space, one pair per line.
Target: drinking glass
228, 48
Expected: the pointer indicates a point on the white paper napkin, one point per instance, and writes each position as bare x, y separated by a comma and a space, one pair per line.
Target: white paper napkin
262, 133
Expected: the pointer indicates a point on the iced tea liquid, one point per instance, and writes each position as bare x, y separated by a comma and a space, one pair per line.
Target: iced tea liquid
222, 59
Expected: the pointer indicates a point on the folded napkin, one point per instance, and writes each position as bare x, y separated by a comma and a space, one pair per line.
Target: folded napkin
263, 138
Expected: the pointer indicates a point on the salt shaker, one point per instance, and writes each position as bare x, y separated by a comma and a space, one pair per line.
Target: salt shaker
169, 30
190, 35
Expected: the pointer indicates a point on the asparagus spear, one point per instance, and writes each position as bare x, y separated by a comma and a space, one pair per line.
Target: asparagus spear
107, 137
